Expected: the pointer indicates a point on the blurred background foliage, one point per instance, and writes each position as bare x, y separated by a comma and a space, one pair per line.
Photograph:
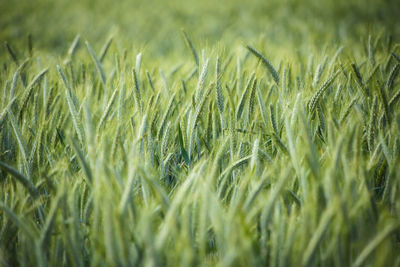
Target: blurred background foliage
155, 25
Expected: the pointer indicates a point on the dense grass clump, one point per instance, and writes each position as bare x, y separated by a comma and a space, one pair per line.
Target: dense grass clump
236, 154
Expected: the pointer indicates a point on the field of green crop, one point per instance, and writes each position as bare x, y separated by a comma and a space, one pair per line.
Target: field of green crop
211, 133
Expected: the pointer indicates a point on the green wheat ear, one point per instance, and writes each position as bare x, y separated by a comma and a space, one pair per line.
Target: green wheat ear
392, 76
105, 48
242, 101
317, 96
29, 90
136, 91
272, 119
12, 53
371, 125
107, 110
97, 63
266, 63
191, 46
219, 95
74, 46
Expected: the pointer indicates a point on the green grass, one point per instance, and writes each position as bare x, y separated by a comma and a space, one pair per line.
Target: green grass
271, 139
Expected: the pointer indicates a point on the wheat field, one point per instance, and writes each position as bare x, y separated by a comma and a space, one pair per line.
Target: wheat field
188, 133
